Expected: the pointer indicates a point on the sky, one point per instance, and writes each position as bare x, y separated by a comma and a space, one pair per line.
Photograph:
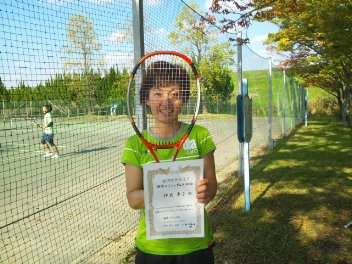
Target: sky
33, 34
257, 31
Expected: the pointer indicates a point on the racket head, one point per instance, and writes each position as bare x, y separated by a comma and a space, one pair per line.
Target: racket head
30, 120
163, 97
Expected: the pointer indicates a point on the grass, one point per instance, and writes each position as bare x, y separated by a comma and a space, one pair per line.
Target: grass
301, 195
258, 90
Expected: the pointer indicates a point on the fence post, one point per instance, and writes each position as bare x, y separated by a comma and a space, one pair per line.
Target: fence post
3, 109
306, 107
303, 110
246, 180
284, 105
239, 77
138, 43
299, 90
270, 107
292, 103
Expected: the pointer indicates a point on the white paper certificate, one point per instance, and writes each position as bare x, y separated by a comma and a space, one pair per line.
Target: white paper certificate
171, 206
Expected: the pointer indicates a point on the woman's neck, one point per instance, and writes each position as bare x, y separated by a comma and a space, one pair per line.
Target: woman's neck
165, 130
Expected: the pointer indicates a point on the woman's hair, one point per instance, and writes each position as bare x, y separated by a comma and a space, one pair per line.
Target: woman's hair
162, 74
48, 107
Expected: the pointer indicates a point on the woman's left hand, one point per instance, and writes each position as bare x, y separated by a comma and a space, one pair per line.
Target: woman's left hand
202, 192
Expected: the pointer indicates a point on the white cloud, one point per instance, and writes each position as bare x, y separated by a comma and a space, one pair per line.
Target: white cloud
259, 39
11, 80
208, 4
154, 2
105, 1
118, 37
57, 2
262, 52
121, 59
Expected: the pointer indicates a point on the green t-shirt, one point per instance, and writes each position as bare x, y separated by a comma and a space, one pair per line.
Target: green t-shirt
198, 144
47, 120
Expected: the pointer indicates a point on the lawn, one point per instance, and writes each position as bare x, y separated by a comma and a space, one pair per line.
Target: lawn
301, 195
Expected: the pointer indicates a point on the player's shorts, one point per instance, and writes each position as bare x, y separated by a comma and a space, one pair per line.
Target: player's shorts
47, 138
204, 256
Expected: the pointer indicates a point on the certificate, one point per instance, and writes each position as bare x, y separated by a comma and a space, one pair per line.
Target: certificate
171, 207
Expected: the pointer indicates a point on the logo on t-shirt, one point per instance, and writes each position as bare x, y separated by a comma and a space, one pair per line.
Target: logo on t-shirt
190, 146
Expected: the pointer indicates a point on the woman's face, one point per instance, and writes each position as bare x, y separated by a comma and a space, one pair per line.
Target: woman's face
45, 109
165, 103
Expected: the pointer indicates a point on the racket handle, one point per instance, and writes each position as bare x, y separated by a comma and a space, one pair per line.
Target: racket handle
179, 146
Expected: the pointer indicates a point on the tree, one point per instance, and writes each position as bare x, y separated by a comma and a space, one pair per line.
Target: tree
321, 48
81, 50
196, 37
4, 95
216, 67
192, 33
315, 33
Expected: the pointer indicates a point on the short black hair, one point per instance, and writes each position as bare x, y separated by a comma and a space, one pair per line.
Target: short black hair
161, 74
48, 107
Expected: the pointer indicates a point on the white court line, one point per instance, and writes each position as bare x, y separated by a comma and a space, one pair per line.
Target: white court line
16, 158
22, 152
17, 145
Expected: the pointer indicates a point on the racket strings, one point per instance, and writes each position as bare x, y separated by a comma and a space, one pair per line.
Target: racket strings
163, 98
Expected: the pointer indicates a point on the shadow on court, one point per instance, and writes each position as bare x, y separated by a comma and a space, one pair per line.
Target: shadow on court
85, 151
300, 201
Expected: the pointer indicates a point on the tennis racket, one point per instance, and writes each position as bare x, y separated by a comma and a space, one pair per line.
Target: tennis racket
163, 97
31, 120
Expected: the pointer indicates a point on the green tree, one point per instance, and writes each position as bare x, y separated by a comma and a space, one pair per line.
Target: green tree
197, 38
192, 33
315, 33
82, 51
119, 88
216, 64
4, 95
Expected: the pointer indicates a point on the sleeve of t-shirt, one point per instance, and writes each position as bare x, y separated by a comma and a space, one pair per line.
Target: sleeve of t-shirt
206, 144
130, 154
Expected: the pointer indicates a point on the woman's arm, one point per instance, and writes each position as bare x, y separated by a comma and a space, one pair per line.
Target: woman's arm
207, 188
134, 186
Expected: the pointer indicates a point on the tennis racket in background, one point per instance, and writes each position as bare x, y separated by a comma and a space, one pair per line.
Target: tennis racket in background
31, 121
163, 93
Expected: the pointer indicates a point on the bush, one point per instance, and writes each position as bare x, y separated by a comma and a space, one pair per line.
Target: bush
323, 106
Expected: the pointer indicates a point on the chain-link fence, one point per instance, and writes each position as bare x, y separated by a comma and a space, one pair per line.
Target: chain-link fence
76, 56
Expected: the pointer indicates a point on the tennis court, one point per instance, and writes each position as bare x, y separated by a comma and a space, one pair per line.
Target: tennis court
80, 196
47, 200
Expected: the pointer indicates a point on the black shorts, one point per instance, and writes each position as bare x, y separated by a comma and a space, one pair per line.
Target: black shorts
47, 138
204, 256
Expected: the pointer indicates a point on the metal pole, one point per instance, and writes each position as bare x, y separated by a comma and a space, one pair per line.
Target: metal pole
247, 189
239, 77
246, 179
284, 106
138, 30
306, 107
138, 43
3, 109
299, 91
303, 109
292, 102
270, 97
